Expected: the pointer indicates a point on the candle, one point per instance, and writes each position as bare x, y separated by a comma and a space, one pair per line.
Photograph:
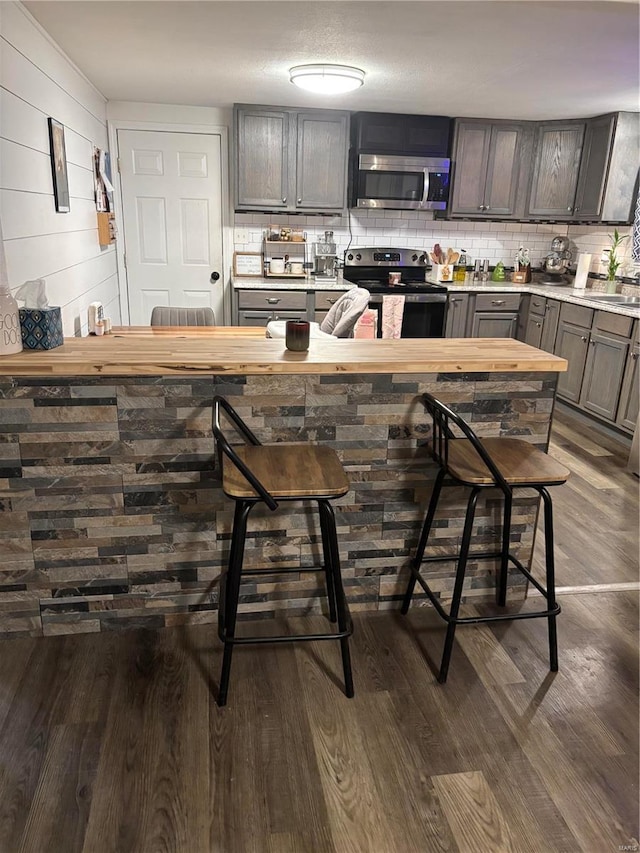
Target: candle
297, 335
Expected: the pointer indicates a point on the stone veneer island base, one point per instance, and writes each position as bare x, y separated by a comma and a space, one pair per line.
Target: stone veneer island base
112, 512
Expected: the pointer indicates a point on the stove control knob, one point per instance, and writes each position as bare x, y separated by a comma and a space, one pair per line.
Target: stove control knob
414, 258
423, 259
349, 257
358, 257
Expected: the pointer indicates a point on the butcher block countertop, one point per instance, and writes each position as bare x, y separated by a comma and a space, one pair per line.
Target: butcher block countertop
243, 351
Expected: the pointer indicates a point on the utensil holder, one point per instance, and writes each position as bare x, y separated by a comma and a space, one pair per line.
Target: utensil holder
442, 272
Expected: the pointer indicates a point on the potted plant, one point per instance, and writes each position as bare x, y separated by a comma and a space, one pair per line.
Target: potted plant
612, 262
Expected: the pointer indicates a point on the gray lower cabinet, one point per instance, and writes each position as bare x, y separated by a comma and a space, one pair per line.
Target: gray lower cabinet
259, 307
457, 311
494, 324
572, 344
630, 392
290, 160
604, 369
556, 168
490, 168
533, 330
550, 327
495, 315
602, 372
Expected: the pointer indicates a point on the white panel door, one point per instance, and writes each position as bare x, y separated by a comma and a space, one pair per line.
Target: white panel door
172, 221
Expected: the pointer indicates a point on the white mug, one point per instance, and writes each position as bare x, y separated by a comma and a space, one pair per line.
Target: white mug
276, 265
297, 268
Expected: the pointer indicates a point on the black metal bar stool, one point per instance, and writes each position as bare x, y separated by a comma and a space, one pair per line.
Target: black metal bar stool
503, 463
269, 474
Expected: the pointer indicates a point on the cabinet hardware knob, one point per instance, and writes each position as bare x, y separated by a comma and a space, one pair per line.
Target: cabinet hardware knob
284, 200
538, 325
330, 301
634, 355
299, 201
584, 338
481, 207
593, 343
273, 300
569, 210
487, 207
497, 301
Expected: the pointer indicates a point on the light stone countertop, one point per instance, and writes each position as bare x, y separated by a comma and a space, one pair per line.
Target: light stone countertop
561, 293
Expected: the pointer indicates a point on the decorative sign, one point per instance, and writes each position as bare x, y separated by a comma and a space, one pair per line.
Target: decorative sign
247, 264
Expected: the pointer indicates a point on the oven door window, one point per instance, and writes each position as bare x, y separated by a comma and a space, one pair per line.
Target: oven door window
423, 320
392, 186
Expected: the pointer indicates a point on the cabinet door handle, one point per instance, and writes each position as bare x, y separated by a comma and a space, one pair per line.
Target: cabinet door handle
497, 301
330, 301
273, 300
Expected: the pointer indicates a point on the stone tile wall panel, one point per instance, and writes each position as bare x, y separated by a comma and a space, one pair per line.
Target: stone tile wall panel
112, 515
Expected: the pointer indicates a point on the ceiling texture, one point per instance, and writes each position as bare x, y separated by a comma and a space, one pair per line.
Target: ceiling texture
518, 59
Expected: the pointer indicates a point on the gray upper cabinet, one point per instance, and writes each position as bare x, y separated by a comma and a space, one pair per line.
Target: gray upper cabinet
321, 176
609, 169
489, 160
290, 160
262, 158
555, 172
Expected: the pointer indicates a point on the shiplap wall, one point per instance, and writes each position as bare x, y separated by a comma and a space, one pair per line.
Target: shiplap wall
37, 80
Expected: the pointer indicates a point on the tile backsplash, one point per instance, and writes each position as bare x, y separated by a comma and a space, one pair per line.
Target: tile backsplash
498, 241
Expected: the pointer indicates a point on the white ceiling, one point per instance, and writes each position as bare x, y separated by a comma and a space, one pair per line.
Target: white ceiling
511, 58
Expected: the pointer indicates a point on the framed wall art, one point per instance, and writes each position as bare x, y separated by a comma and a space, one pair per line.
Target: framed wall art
59, 166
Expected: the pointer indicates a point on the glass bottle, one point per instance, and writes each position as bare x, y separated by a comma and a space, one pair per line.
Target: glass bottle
460, 268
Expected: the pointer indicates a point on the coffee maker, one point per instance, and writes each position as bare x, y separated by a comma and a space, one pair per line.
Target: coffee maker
325, 260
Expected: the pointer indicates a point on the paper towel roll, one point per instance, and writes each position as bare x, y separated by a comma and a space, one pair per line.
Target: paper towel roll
582, 272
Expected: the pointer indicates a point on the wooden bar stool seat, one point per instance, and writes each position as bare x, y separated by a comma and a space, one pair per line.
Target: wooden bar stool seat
489, 463
254, 473
520, 463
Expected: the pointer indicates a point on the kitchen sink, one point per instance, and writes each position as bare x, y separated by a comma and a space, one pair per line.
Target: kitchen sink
617, 298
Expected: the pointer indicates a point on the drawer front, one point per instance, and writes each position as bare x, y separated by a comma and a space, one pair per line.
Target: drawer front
261, 318
326, 298
282, 300
577, 315
614, 323
537, 305
497, 301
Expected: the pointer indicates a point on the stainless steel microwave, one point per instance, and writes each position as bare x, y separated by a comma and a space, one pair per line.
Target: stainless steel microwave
401, 183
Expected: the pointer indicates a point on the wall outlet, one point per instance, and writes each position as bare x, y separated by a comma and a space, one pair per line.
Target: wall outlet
241, 235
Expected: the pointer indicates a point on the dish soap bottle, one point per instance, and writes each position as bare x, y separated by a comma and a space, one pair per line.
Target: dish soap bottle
10, 334
460, 268
498, 273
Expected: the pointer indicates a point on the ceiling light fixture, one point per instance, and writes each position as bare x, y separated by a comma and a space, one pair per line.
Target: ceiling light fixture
327, 79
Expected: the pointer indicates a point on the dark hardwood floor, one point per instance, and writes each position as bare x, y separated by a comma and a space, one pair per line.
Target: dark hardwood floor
114, 742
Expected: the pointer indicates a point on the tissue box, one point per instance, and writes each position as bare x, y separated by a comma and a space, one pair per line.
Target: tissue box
41, 328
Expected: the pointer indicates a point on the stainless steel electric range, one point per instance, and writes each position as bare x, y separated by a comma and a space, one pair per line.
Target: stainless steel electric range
424, 304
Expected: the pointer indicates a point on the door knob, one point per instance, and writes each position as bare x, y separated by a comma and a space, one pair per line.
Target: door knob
215, 276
